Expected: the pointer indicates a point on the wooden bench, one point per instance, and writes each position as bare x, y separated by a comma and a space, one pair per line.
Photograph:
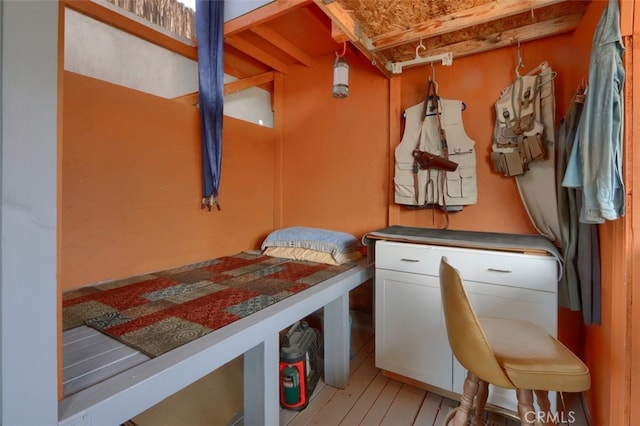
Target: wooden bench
139, 387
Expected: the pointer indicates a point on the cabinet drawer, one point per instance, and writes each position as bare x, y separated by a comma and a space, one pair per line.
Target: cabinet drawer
530, 271
414, 258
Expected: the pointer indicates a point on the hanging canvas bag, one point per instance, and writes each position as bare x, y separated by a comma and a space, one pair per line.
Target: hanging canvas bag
518, 135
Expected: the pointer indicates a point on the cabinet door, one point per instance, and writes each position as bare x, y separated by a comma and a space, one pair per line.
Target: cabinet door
498, 301
411, 336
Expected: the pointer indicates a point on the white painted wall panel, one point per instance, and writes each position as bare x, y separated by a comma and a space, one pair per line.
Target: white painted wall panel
28, 214
252, 104
235, 8
97, 50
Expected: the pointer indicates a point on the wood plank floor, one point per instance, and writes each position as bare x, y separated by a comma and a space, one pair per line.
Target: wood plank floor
374, 399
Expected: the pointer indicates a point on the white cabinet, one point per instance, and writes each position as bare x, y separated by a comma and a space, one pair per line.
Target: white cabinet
411, 336
411, 339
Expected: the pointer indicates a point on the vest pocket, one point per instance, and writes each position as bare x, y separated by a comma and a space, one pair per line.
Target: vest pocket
461, 183
404, 187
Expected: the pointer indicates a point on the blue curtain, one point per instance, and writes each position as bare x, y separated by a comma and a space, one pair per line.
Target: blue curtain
209, 33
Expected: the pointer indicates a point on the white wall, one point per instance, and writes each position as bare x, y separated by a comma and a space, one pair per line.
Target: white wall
252, 104
97, 50
235, 8
28, 217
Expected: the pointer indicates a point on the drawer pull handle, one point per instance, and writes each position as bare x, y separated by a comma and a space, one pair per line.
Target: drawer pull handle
404, 259
506, 271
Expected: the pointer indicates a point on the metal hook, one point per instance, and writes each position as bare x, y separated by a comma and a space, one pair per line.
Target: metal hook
520, 64
418, 48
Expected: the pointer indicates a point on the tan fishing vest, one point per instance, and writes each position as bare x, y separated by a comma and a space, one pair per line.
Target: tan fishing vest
518, 134
524, 145
460, 187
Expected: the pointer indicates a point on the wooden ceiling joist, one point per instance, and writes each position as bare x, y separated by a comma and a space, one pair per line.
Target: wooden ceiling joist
257, 53
555, 26
261, 15
190, 98
245, 83
498, 9
337, 34
390, 32
283, 44
232, 87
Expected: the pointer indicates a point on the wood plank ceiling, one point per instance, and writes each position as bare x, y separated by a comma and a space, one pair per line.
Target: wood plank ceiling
286, 33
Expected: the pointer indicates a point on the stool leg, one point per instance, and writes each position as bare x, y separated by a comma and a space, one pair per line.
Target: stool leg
526, 412
542, 397
469, 389
481, 401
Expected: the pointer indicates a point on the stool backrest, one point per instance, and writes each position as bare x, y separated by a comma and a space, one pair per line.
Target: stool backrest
464, 331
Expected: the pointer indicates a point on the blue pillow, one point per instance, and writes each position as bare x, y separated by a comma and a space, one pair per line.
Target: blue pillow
323, 240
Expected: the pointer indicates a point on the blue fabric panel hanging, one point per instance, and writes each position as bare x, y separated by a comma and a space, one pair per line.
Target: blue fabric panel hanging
209, 32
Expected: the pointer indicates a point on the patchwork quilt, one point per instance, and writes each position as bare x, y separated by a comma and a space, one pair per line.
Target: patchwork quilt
158, 312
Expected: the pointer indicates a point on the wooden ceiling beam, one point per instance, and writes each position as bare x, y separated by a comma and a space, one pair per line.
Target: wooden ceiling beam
337, 34
354, 33
232, 87
256, 53
245, 83
190, 99
239, 65
313, 14
283, 44
261, 15
531, 32
498, 9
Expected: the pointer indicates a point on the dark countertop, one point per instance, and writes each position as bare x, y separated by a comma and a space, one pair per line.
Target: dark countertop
467, 239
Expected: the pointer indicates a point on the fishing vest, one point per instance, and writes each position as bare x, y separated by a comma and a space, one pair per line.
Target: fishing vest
518, 134
524, 145
459, 187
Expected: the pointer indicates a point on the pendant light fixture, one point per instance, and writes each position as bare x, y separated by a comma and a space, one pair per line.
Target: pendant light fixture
341, 74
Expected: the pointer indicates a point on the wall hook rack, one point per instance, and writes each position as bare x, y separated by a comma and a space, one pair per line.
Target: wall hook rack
396, 67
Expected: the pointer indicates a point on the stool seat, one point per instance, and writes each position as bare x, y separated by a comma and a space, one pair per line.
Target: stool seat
532, 359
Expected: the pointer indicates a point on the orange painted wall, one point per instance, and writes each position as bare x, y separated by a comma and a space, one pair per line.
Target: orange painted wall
477, 81
633, 172
336, 159
131, 185
605, 346
362, 171
335, 151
